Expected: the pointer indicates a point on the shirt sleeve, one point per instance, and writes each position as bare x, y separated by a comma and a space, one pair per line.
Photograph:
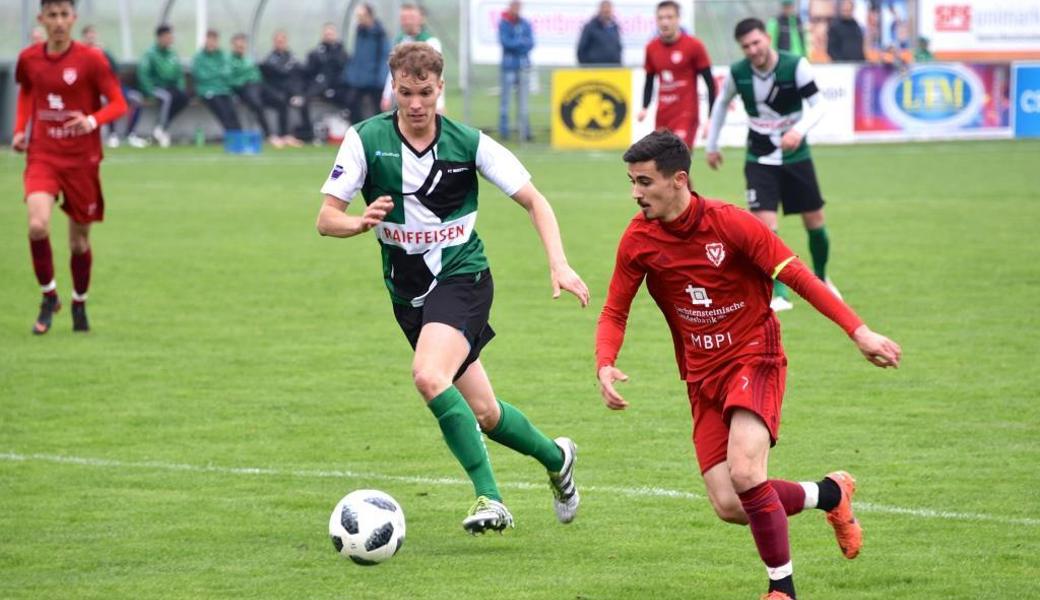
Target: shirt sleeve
755, 241
718, 112
648, 64
349, 172
624, 283
816, 107
109, 86
799, 278
701, 60
23, 105
499, 166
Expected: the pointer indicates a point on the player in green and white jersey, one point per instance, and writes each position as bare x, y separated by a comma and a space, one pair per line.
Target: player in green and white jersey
779, 93
417, 172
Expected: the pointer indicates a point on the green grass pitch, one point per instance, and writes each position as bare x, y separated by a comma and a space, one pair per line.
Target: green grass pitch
245, 373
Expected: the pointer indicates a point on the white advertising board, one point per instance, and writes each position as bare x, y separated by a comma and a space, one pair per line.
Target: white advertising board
981, 29
557, 28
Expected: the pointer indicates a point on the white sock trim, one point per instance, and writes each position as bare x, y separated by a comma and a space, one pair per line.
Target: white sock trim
50, 287
79, 297
812, 493
780, 572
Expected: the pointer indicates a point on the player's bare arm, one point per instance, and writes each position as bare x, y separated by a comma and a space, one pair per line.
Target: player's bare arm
544, 220
80, 124
19, 142
878, 349
334, 221
608, 375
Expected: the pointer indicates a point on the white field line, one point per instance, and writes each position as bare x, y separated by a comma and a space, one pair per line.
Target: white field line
637, 492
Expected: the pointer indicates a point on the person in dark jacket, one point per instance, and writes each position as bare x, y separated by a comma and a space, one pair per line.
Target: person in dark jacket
325, 66
845, 36
517, 39
367, 70
211, 74
600, 41
284, 87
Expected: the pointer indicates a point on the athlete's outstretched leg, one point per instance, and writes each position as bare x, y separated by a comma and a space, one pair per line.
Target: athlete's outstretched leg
747, 457
40, 206
439, 352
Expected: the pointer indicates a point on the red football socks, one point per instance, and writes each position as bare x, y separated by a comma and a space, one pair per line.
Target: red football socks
43, 263
768, 523
80, 264
791, 494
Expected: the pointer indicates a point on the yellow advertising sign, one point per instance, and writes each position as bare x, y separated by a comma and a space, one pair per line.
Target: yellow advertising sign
592, 108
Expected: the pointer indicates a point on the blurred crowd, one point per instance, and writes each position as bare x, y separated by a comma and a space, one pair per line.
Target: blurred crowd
275, 95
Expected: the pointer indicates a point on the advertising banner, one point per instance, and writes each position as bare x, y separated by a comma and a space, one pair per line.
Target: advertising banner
557, 27
933, 100
836, 83
592, 108
1026, 95
981, 29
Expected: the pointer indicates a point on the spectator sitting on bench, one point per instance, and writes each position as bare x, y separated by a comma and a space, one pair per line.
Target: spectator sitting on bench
133, 97
211, 73
160, 76
284, 82
325, 66
247, 84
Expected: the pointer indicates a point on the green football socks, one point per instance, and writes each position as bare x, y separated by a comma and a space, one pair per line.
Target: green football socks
462, 434
819, 248
516, 432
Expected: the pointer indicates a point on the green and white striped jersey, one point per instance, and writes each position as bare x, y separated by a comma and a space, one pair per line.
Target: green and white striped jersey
430, 234
773, 102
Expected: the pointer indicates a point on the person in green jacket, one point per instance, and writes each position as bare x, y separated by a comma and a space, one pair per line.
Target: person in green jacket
211, 72
160, 76
786, 30
247, 83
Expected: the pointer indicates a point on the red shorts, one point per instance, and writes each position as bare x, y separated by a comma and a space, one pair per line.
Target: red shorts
754, 383
80, 188
683, 125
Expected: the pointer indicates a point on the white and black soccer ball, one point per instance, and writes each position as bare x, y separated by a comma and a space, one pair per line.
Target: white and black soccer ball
367, 526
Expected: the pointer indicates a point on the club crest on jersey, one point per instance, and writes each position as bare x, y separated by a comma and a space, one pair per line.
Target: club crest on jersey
69, 75
716, 253
676, 56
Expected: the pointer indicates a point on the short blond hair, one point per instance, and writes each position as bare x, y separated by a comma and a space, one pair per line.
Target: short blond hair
418, 59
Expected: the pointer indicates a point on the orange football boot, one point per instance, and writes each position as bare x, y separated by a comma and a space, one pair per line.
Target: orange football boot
846, 528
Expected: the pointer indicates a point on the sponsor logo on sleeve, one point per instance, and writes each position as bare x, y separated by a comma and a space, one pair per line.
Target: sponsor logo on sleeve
336, 172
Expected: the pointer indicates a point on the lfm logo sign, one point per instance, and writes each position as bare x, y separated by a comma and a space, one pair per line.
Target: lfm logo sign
1029, 101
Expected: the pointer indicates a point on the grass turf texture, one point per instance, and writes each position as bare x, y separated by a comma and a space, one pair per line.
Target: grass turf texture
228, 334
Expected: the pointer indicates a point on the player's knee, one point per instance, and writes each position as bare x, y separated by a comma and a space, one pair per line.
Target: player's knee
729, 510
430, 382
745, 475
487, 416
39, 228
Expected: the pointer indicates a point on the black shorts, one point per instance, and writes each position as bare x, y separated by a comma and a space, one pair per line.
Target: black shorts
461, 301
794, 185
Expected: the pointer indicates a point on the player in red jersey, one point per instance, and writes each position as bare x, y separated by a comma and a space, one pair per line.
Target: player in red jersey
710, 267
61, 84
676, 58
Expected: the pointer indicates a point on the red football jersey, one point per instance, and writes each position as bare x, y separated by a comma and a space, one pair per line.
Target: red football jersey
58, 88
676, 66
710, 273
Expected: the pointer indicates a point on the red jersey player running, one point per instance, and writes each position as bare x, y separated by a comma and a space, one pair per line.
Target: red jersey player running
676, 58
709, 266
62, 82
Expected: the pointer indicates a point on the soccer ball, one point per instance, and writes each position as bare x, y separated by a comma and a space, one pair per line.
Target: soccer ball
367, 526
